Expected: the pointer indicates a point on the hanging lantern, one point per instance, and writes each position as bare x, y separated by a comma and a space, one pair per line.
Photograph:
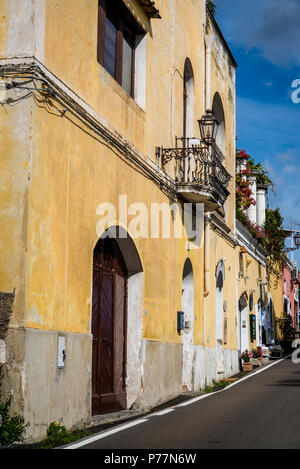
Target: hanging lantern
208, 126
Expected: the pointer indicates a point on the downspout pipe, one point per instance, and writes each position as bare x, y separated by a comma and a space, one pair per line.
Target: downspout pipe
206, 254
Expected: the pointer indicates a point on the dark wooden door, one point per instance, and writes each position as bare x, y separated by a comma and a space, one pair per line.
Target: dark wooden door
109, 328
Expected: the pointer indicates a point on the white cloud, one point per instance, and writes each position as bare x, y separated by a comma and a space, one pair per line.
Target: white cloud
290, 169
270, 26
289, 155
267, 83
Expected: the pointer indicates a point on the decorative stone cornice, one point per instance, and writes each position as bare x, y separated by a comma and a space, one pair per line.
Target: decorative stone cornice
218, 225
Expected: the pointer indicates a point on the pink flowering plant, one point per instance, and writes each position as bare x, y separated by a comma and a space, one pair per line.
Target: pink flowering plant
242, 154
271, 235
258, 353
244, 194
257, 231
246, 356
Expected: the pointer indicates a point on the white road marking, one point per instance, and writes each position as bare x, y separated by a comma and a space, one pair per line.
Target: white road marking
253, 374
195, 399
162, 412
100, 436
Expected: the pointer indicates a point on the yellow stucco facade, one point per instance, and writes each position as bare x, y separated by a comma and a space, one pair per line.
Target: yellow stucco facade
85, 143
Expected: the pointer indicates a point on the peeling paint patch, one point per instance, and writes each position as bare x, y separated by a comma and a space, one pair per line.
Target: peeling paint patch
34, 315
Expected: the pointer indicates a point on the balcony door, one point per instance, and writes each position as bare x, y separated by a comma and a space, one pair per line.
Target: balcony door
109, 310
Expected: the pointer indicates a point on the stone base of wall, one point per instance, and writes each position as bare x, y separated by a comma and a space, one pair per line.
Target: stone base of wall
41, 391
232, 365
205, 366
162, 371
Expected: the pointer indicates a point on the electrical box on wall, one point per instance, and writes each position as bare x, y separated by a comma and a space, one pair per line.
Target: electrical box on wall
180, 321
61, 356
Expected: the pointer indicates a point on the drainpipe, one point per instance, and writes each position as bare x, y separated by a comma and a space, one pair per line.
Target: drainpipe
206, 255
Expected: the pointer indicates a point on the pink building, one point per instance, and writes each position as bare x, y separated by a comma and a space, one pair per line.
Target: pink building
290, 290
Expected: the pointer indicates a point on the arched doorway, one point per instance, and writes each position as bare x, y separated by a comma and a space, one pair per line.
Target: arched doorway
260, 320
220, 277
116, 308
264, 336
188, 332
109, 317
243, 324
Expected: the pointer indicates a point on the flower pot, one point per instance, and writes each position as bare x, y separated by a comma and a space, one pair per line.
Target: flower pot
257, 361
247, 366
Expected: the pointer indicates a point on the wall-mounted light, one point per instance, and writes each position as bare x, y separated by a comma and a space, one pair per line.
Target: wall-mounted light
297, 240
208, 126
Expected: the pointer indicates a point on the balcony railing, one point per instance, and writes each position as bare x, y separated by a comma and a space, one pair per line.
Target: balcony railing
199, 173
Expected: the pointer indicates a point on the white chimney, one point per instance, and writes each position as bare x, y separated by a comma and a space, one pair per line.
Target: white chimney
261, 204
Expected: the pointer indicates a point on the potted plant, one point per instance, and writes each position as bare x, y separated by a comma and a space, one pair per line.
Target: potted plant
246, 359
257, 356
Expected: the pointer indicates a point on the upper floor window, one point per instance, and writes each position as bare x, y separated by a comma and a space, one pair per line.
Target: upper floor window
117, 34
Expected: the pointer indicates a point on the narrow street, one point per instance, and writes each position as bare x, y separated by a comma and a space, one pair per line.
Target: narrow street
260, 412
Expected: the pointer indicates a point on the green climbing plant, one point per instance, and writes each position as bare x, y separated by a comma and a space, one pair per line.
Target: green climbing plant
211, 6
13, 425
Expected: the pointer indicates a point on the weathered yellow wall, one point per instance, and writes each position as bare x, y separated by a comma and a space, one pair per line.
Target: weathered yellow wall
3, 26
223, 82
72, 171
15, 141
253, 270
275, 293
220, 249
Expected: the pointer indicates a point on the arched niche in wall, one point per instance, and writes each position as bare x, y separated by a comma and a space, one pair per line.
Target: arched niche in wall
218, 112
187, 304
220, 269
188, 100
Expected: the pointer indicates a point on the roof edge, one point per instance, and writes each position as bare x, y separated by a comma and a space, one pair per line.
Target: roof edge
214, 21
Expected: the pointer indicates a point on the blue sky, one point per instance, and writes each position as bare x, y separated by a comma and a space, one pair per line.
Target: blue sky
264, 37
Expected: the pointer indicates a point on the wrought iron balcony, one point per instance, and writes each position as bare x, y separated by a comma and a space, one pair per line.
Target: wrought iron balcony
199, 173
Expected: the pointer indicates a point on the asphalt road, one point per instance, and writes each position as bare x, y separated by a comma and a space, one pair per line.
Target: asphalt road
260, 412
